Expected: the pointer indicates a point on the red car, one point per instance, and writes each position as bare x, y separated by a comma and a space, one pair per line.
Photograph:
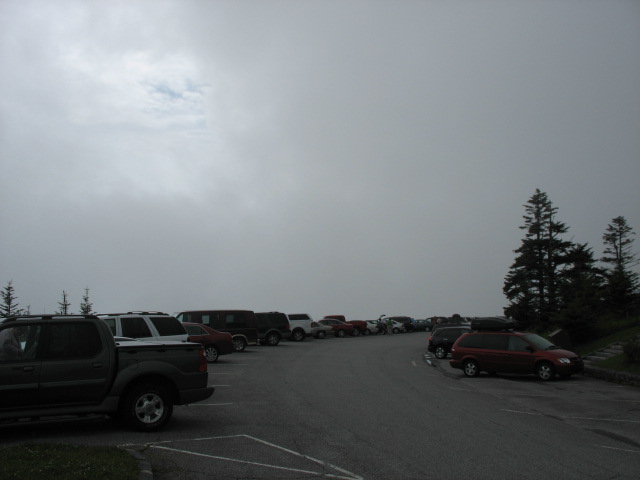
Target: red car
512, 352
339, 328
215, 343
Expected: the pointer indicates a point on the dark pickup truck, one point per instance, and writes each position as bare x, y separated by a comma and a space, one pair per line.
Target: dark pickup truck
61, 365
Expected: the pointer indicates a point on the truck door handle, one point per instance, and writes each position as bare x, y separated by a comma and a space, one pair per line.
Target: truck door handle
97, 365
28, 368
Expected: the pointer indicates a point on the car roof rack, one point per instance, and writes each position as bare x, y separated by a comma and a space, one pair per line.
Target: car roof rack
492, 324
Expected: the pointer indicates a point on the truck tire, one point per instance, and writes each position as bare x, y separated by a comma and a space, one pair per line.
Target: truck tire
147, 407
272, 339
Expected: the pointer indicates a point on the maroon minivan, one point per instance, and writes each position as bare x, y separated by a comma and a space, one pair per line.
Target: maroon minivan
512, 352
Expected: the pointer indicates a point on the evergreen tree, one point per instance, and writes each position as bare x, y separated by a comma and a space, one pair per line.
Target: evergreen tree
533, 283
9, 305
581, 294
64, 304
86, 307
621, 292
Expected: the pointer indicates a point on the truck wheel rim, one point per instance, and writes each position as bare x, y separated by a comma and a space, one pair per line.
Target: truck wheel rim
149, 408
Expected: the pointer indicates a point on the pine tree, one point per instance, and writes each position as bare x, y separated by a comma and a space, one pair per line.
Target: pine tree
581, 294
621, 293
64, 304
533, 283
86, 307
9, 305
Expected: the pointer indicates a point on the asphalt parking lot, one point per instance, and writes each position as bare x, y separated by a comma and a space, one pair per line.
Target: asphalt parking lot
375, 408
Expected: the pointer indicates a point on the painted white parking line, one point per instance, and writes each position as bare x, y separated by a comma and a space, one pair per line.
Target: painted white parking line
461, 389
619, 449
200, 404
603, 419
342, 474
519, 411
575, 418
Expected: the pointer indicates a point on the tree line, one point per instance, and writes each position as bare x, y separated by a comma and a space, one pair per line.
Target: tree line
552, 283
557, 283
10, 306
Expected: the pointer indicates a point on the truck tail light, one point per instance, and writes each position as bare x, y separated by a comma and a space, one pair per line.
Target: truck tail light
203, 361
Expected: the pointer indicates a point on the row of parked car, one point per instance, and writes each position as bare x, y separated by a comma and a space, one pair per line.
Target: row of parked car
492, 345
222, 332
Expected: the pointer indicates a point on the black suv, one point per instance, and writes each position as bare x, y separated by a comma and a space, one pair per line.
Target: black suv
272, 326
442, 339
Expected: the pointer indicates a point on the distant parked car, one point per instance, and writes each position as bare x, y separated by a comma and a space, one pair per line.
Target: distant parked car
407, 323
303, 325
215, 343
340, 329
272, 327
359, 326
148, 326
372, 326
422, 325
241, 324
442, 339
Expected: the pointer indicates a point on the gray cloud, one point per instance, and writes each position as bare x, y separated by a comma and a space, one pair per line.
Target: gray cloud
329, 157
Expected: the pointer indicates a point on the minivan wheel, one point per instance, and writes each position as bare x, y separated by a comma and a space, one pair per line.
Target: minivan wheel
239, 344
297, 335
211, 353
470, 368
545, 371
272, 339
440, 352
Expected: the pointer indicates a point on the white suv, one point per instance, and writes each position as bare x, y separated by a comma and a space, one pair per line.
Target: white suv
302, 326
149, 326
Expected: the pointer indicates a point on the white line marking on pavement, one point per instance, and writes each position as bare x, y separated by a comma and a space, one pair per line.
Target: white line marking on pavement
619, 449
349, 475
519, 411
575, 418
603, 419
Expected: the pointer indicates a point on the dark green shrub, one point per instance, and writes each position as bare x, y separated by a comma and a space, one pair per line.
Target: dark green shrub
631, 350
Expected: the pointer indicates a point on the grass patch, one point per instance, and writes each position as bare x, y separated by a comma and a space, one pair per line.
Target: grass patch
619, 336
66, 462
620, 364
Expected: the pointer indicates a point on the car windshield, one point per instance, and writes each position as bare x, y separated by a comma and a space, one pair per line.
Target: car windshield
539, 342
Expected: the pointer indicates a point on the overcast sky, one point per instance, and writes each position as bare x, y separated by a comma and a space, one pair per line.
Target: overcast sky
351, 157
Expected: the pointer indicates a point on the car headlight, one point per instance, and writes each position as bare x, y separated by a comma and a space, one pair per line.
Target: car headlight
564, 360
